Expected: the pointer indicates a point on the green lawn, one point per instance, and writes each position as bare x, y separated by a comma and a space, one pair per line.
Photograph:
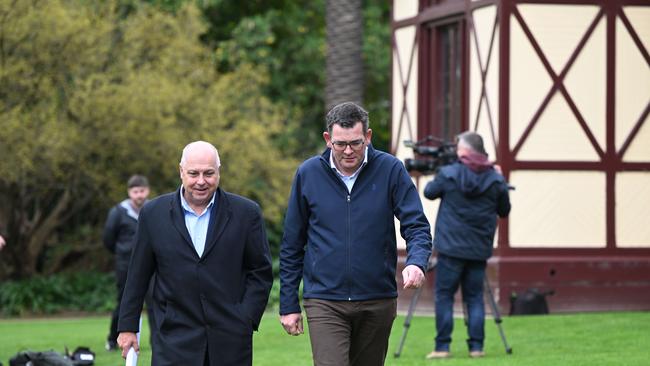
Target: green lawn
581, 339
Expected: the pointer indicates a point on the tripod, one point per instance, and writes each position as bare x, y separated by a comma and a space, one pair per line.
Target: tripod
493, 304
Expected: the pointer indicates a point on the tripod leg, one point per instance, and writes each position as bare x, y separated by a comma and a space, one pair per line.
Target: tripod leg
497, 316
465, 313
407, 321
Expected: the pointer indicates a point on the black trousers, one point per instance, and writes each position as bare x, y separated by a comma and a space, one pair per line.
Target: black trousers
120, 277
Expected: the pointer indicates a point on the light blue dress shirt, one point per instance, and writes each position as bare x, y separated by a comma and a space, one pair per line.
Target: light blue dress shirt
197, 225
349, 180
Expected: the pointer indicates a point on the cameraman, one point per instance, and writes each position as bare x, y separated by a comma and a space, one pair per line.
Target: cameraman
472, 194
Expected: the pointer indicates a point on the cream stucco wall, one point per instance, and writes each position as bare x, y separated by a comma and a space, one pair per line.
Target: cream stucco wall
557, 134
404, 9
633, 209
632, 96
565, 209
632, 83
485, 120
404, 125
557, 209
404, 108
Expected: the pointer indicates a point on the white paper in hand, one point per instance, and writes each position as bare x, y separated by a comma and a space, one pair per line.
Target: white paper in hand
132, 356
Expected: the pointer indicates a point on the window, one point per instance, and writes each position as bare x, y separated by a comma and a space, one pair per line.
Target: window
442, 81
448, 105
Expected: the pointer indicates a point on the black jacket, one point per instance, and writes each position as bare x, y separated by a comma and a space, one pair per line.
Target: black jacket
202, 304
119, 234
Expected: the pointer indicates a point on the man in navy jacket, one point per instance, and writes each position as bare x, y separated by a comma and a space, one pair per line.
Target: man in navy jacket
472, 194
209, 251
339, 239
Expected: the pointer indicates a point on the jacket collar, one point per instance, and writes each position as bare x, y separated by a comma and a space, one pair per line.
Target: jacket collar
220, 214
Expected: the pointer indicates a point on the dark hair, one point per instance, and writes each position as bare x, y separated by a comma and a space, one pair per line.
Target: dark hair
137, 181
346, 115
472, 140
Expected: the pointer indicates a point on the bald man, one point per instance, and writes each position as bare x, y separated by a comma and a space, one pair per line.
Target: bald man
209, 251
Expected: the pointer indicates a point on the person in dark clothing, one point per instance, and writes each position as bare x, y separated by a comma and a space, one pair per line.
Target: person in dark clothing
213, 269
119, 234
339, 239
472, 193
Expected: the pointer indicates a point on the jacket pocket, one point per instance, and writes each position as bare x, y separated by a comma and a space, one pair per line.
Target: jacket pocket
243, 316
169, 315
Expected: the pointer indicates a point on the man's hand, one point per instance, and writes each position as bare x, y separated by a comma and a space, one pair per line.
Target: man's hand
413, 276
2, 242
126, 340
292, 323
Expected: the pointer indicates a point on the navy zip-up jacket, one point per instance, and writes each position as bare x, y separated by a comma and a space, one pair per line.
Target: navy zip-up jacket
342, 244
467, 217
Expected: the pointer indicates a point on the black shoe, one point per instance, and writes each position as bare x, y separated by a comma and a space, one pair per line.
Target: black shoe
111, 345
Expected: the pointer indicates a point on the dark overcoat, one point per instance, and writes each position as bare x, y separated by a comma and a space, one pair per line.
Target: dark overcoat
208, 305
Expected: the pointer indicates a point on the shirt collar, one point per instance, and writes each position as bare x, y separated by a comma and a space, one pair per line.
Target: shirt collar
186, 206
365, 161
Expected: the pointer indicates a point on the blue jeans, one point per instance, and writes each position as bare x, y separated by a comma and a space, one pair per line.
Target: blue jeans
469, 274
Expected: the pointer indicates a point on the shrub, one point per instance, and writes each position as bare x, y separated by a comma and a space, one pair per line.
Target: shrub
92, 292
81, 291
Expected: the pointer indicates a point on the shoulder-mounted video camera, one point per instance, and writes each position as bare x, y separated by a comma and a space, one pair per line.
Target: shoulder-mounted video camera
430, 158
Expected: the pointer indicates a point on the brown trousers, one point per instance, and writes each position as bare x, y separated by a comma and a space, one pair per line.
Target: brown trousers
350, 333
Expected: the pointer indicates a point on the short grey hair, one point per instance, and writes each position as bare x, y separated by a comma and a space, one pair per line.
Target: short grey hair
472, 141
346, 115
195, 144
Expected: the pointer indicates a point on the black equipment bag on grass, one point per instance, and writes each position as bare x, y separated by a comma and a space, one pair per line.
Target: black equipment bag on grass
34, 358
531, 302
82, 356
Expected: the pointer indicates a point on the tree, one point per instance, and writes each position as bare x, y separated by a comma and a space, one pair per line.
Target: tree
288, 39
344, 44
288, 42
91, 94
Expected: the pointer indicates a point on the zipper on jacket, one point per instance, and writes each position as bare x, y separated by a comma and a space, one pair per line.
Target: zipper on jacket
349, 245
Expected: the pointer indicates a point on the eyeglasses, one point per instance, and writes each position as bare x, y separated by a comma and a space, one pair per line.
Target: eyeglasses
355, 145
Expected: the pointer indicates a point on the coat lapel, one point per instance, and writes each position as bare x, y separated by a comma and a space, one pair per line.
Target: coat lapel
219, 218
178, 220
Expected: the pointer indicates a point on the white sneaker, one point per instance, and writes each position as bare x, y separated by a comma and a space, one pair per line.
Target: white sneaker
438, 354
476, 354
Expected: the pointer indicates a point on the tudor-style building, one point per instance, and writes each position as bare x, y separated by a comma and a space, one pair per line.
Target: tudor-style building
560, 91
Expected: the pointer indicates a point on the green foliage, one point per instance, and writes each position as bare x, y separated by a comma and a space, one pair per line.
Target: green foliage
289, 43
92, 93
91, 292
377, 59
287, 39
82, 291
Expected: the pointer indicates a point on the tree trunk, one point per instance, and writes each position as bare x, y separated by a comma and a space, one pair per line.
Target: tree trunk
29, 230
344, 61
43, 230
